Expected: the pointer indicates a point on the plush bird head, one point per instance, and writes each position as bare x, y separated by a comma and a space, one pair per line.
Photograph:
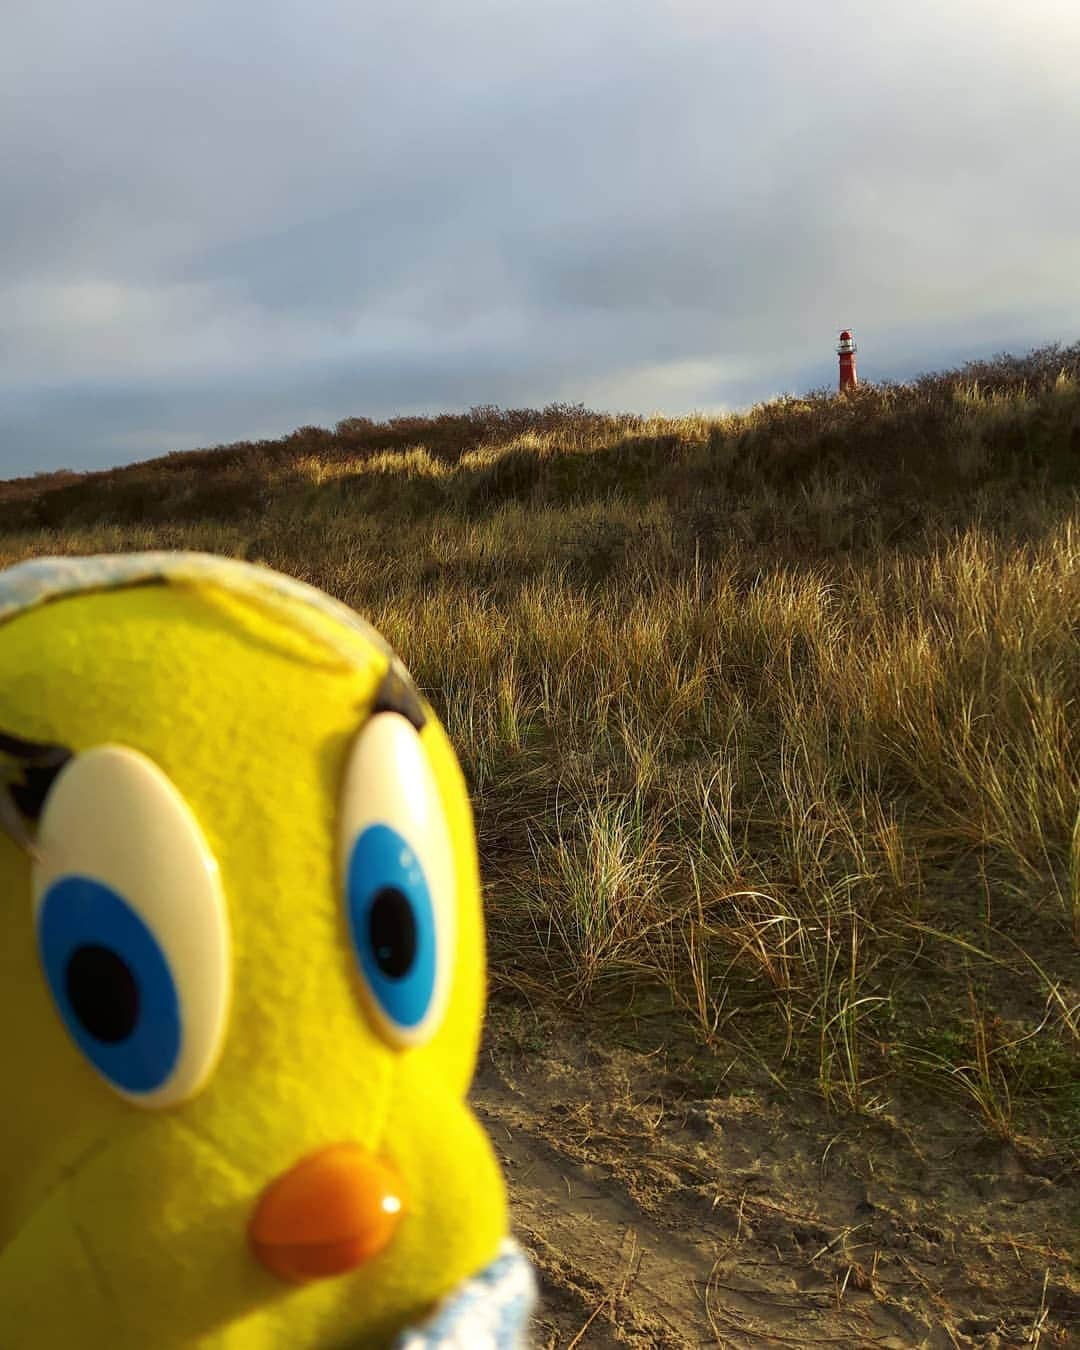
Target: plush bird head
241, 972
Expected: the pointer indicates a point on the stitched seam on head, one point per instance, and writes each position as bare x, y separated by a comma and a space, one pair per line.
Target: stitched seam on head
39, 581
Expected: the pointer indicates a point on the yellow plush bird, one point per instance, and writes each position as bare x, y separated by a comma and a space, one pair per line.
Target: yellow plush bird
241, 977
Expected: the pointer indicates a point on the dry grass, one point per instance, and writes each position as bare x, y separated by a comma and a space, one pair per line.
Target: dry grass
773, 716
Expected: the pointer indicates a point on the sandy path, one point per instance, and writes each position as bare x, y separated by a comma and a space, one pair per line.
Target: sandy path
673, 1223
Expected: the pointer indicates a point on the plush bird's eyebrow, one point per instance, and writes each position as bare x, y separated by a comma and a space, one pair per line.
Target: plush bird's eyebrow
37, 764
395, 694
28, 770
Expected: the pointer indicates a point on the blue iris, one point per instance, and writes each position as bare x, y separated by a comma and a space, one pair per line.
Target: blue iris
111, 983
392, 923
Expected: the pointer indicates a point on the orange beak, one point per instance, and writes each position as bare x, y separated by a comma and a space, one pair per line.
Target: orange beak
331, 1211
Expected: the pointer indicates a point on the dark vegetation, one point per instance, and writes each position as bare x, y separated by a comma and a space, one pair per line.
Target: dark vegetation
769, 719
929, 446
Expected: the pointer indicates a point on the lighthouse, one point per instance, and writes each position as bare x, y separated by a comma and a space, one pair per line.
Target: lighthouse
846, 353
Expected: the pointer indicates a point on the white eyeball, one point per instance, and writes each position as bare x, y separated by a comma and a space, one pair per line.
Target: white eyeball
132, 926
396, 862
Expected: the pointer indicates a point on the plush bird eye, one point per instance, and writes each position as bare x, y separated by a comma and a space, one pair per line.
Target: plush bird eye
132, 926
397, 868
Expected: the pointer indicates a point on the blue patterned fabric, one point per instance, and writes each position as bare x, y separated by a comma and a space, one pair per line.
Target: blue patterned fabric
490, 1311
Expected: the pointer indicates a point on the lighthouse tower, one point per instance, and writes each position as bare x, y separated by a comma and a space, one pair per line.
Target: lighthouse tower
846, 352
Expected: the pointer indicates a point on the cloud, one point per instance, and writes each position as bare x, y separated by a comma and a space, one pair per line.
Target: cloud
424, 206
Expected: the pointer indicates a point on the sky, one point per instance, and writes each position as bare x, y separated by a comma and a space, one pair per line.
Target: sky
221, 221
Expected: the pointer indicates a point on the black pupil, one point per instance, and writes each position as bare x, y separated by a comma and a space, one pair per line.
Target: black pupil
103, 993
393, 932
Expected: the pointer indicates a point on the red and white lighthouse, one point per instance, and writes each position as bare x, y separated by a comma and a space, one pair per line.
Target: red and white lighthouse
846, 352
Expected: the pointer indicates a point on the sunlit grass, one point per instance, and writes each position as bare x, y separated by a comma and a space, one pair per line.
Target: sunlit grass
794, 747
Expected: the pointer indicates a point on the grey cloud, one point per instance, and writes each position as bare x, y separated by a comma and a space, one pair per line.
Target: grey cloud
313, 211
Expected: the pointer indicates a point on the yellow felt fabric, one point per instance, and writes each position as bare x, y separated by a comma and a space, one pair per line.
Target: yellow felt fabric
125, 1227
